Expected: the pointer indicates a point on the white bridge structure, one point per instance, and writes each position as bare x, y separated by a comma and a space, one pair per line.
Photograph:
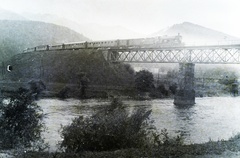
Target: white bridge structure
216, 54
186, 56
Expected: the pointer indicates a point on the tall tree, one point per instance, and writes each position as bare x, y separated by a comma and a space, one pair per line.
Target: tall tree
144, 81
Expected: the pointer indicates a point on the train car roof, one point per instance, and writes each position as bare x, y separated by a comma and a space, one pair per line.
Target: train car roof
75, 42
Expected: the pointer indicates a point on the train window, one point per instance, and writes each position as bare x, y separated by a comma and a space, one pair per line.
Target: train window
9, 68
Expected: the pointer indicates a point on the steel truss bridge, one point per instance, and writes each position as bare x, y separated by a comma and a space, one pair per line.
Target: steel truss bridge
216, 54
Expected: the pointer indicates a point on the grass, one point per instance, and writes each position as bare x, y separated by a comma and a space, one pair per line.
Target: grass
162, 151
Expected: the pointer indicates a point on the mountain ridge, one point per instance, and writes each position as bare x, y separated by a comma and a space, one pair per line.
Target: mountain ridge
9, 15
91, 30
18, 35
194, 33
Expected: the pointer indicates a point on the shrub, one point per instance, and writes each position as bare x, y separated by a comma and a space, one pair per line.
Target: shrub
164, 140
20, 121
110, 128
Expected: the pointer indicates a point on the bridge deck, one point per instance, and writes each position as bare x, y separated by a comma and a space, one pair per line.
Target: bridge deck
215, 54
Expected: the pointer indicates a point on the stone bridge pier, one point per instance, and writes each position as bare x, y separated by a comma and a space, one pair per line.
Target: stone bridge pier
185, 94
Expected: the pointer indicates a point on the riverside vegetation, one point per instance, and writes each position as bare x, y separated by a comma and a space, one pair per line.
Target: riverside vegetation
111, 131
21, 122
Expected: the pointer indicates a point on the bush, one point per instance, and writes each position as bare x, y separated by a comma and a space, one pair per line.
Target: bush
111, 128
20, 121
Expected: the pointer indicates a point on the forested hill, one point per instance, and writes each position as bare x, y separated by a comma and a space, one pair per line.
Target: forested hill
18, 35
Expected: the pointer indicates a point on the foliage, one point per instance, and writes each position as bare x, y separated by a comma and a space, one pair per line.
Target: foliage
173, 88
20, 121
129, 69
168, 147
163, 139
111, 128
163, 90
144, 81
100, 72
225, 77
171, 74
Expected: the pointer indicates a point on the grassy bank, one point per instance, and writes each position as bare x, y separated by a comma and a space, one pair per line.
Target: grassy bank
173, 150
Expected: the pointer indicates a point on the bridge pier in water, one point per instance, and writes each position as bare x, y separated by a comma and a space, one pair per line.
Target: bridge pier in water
185, 94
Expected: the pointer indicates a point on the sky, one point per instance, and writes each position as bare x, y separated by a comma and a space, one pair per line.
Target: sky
143, 16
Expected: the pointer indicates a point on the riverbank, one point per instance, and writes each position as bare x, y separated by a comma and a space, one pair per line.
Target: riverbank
229, 148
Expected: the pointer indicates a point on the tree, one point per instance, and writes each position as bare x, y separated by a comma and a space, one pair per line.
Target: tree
21, 121
163, 90
144, 81
173, 88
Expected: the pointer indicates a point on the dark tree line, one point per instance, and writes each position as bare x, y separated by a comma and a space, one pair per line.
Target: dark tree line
144, 82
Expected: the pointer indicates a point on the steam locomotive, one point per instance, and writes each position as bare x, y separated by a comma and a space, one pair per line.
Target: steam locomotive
165, 41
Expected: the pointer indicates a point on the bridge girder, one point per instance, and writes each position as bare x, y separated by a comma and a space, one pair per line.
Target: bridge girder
195, 54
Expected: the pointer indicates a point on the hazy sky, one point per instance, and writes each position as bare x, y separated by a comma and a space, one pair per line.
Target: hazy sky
145, 16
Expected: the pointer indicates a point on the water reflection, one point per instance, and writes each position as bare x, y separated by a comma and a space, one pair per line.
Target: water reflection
185, 119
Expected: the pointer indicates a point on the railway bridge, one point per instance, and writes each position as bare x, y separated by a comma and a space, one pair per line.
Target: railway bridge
186, 56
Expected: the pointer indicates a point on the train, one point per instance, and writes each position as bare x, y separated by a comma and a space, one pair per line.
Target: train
165, 41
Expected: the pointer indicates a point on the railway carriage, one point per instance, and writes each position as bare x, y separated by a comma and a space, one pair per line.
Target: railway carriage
110, 43
42, 48
165, 41
56, 47
76, 45
136, 42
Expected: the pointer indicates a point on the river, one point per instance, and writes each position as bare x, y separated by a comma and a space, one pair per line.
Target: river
213, 118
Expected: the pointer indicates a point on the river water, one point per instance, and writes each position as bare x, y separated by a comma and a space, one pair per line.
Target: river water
213, 118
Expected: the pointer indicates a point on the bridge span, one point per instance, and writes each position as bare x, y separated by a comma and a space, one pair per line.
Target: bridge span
215, 54
187, 57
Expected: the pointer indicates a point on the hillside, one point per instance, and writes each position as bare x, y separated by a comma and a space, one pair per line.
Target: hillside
65, 67
91, 30
18, 35
196, 34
